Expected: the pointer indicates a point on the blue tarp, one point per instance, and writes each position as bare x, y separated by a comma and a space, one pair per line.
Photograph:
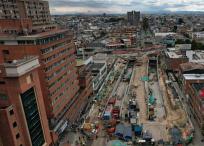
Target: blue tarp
151, 99
116, 143
176, 135
145, 78
119, 130
138, 130
107, 116
127, 133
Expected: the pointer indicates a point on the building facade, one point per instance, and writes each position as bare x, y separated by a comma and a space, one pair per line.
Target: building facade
196, 102
85, 94
192, 84
25, 35
133, 17
58, 76
36, 10
21, 105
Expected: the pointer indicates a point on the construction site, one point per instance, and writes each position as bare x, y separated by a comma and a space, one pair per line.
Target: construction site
136, 105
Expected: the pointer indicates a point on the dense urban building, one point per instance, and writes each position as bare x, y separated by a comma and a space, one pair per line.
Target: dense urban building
133, 17
195, 100
22, 110
174, 59
37, 10
56, 72
85, 93
21, 104
77, 79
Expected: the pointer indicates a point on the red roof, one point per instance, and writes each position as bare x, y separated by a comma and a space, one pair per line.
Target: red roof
120, 52
112, 101
202, 93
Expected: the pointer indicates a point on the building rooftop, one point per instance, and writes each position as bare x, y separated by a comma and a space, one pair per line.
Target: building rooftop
200, 32
174, 55
164, 34
194, 76
19, 67
84, 61
32, 36
19, 62
195, 56
97, 66
100, 56
191, 66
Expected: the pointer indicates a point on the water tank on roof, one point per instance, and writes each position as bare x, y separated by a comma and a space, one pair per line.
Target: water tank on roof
15, 61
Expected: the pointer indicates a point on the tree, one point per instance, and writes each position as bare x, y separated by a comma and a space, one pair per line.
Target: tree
188, 41
197, 46
181, 41
175, 28
180, 21
103, 33
186, 35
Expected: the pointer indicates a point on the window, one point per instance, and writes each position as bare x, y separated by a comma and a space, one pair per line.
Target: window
11, 112
17, 136
5, 52
30, 42
29, 79
2, 82
32, 117
3, 96
20, 42
14, 124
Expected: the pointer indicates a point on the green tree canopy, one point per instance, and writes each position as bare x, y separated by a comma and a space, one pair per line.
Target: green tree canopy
197, 45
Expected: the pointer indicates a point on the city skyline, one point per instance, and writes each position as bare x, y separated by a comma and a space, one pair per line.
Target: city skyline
121, 6
101, 72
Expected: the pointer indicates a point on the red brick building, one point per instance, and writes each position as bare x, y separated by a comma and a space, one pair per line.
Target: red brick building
57, 72
174, 59
84, 95
192, 80
35, 10
196, 101
190, 73
15, 25
22, 111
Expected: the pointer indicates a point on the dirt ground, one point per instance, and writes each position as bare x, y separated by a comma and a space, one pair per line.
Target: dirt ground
158, 128
140, 92
174, 117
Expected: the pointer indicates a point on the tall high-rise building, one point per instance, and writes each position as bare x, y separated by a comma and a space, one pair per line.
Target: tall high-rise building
37, 10
31, 33
22, 111
133, 17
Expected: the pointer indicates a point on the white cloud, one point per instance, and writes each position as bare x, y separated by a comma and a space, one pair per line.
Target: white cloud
121, 6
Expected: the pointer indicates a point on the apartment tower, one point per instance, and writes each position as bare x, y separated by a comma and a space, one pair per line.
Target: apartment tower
22, 111
27, 30
133, 17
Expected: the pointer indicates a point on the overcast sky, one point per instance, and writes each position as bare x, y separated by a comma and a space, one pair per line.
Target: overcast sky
121, 6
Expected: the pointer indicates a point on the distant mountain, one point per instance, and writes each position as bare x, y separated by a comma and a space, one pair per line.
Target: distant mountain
174, 12
143, 12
